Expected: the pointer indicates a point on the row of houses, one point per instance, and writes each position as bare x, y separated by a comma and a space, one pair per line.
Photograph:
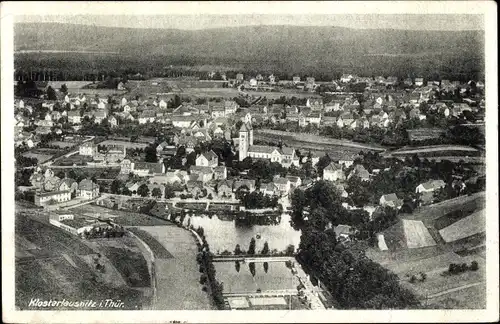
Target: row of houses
66, 190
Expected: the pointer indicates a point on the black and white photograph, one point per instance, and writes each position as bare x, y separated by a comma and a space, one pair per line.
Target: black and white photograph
299, 159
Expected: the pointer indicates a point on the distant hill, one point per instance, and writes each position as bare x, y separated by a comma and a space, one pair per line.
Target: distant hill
293, 48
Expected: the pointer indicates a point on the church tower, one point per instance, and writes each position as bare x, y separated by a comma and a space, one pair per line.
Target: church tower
243, 142
250, 133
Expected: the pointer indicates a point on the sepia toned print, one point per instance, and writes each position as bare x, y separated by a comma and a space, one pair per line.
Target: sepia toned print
274, 162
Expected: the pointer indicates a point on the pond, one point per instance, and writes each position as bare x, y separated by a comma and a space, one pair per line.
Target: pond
223, 233
240, 279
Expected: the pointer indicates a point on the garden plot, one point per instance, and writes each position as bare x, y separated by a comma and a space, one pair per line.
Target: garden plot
417, 235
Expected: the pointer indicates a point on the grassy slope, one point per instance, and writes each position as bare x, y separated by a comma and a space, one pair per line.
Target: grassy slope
47, 274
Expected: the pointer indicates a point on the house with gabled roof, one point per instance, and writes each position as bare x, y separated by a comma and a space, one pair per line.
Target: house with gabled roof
74, 117
333, 172
430, 186
345, 119
315, 103
269, 189
225, 188
147, 116
360, 172
204, 173
283, 185
249, 184
88, 189
391, 200
220, 172
345, 78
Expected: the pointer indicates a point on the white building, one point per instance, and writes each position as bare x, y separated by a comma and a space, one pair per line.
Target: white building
88, 149
43, 199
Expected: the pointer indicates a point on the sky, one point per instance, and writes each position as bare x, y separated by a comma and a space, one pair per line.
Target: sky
204, 21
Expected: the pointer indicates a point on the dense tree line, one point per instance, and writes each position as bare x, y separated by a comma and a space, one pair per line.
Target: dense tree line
256, 199
208, 279
353, 280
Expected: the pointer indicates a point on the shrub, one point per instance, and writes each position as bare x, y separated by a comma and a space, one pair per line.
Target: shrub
474, 266
413, 279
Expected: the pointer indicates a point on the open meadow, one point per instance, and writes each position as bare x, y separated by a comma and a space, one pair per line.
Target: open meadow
39, 155
177, 277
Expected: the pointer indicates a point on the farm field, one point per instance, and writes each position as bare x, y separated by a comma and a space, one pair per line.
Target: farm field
454, 216
51, 263
41, 157
146, 87
298, 138
468, 226
284, 92
64, 144
479, 160
431, 212
461, 299
179, 274
100, 92
76, 159
124, 218
416, 234
434, 148
434, 267
226, 93
459, 241
69, 84
277, 277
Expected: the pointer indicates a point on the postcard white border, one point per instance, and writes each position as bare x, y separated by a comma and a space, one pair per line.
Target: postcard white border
9, 9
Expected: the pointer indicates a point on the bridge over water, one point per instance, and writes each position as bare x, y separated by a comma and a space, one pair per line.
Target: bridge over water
251, 258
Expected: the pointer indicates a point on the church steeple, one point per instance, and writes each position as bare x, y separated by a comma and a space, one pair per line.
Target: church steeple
244, 141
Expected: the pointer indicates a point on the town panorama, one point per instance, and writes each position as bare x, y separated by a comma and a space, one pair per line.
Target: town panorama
261, 176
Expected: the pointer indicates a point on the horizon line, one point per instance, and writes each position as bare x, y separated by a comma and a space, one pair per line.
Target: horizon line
243, 26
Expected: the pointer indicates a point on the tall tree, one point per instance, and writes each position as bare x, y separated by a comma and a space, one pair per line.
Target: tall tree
64, 88
115, 186
237, 250
251, 247
150, 154
51, 93
265, 249
143, 190
156, 192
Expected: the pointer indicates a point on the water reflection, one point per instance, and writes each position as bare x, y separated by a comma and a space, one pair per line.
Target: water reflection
224, 232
